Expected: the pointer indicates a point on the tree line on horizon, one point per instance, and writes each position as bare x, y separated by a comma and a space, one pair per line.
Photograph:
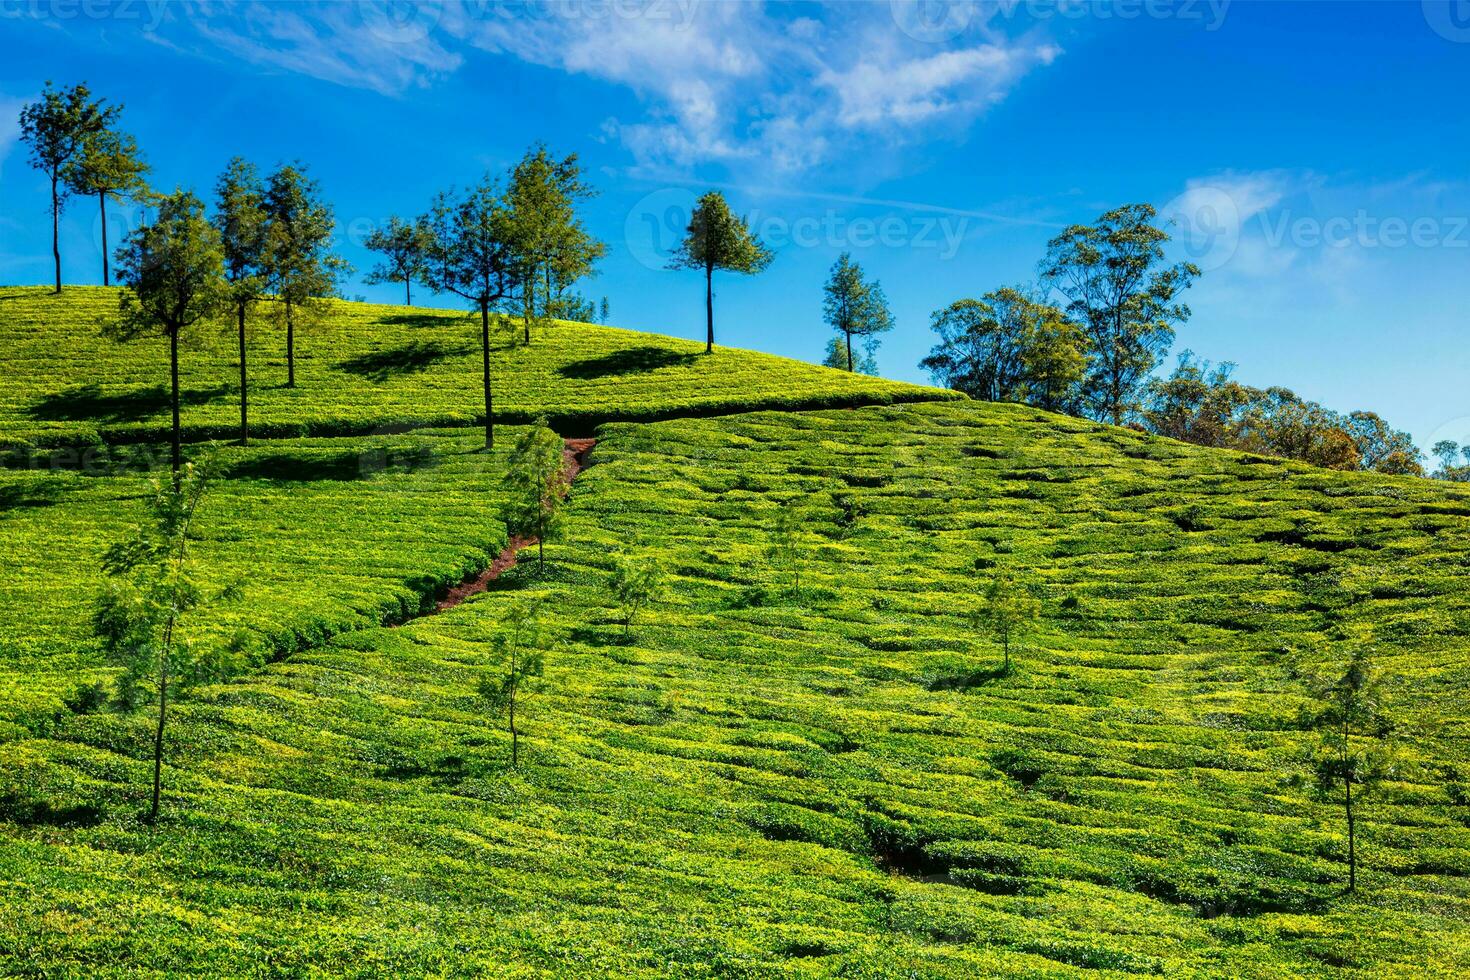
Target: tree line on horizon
1088, 337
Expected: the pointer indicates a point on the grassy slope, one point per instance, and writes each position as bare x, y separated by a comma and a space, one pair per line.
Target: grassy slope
364, 367
723, 795
323, 534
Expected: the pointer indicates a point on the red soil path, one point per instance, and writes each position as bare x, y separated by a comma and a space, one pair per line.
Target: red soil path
575, 453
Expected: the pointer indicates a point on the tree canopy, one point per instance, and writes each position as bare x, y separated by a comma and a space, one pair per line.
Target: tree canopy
717, 239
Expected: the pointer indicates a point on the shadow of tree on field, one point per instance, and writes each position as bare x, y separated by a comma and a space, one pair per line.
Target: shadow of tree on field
88, 403
629, 361
23, 496
417, 355
302, 467
423, 320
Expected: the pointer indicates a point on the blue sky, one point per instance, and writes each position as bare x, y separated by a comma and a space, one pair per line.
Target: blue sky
1315, 156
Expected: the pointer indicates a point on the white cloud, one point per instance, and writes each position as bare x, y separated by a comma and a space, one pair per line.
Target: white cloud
9, 127
906, 90
729, 83
345, 43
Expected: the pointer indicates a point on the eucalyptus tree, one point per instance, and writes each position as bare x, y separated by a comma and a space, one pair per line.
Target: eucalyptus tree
537, 481
841, 356
855, 307
468, 256
152, 582
240, 216
1005, 610
635, 582
716, 239
1120, 288
404, 246
109, 166
518, 645
548, 244
1355, 753
173, 271
57, 130
786, 550
298, 260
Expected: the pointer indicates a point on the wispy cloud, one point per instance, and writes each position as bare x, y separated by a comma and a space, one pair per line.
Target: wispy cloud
9, 128
343, 43
738, 84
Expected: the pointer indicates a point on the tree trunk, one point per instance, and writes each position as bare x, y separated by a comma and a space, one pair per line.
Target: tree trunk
158, 731
244, 382
173, 364
106, 276
849, 351
1352, 841
290, 347
709, 308
515, 738
56, 231
485, 353
540, 557
407, 291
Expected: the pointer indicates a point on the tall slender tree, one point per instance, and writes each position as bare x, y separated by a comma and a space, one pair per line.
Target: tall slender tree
404, 246
855, 307
57, 130
468, 257
173, 269
109, 166
240, 217
537, 481
1354, 755
548, 244
717, 239
298, 260
152, 582
1119, 287
519, 645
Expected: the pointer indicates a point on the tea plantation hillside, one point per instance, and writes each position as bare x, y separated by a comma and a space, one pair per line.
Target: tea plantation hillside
363, 368
839, 783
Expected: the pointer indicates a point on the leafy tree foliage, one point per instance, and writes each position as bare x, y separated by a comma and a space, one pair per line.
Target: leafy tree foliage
1119, 288
151, 582
518, 645
717, 239
1454, 461
1354, 755
58, 129
1202, 404
468, 256
1006, 609
635, 583
786, 551
110, 165
173, 270
298, 259
1007, 346
537, 481
241, 219
405, 247
549, 247
855, 307
843, 358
